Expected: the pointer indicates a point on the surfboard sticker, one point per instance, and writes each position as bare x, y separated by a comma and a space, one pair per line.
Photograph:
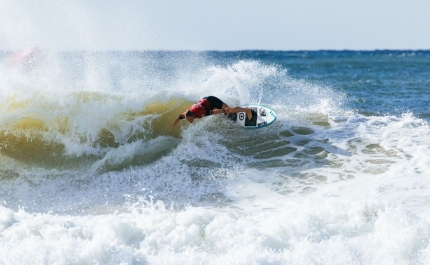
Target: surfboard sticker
262, 116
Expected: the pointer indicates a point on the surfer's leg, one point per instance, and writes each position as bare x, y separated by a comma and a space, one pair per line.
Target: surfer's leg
217, 105
225, 108
215, 102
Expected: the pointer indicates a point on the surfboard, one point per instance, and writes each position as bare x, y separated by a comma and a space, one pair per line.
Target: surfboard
262, 116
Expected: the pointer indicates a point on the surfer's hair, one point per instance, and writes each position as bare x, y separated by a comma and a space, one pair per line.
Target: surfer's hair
188, 113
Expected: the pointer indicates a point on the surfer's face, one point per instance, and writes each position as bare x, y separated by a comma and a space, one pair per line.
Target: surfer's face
190, 119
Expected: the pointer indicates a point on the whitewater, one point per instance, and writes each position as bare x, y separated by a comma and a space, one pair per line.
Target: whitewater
90, 174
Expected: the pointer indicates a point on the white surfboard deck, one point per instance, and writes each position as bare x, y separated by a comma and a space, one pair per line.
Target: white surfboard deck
262, 116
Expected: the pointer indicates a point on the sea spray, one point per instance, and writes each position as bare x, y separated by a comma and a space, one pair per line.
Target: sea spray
90, 172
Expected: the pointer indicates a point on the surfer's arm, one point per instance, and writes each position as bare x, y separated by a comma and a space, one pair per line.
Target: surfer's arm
225, 109
174, 124
180, 117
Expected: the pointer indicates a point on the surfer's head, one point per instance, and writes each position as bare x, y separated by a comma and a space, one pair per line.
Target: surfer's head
189, 116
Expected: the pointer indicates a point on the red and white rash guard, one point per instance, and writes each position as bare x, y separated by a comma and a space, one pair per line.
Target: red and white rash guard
200, 109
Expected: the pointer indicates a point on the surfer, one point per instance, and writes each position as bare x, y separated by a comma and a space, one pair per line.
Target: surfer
208, 106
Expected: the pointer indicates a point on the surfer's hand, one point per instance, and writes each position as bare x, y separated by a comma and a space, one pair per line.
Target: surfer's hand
174, 124
227, 111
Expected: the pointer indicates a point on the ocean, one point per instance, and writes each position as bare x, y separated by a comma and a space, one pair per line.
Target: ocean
90, 174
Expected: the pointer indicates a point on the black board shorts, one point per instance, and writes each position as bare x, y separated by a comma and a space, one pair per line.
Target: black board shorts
215, 102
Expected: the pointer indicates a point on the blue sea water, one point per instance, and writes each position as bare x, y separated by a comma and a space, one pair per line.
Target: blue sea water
376, 82
90, 174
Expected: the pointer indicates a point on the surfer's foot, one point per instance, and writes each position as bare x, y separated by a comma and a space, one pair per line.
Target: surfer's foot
249, 113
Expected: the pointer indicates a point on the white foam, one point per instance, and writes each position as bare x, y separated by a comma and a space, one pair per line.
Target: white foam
299, 231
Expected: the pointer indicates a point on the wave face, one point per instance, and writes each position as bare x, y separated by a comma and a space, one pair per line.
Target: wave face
90, 173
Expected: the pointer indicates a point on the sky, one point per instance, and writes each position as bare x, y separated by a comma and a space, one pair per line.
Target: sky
214, 24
